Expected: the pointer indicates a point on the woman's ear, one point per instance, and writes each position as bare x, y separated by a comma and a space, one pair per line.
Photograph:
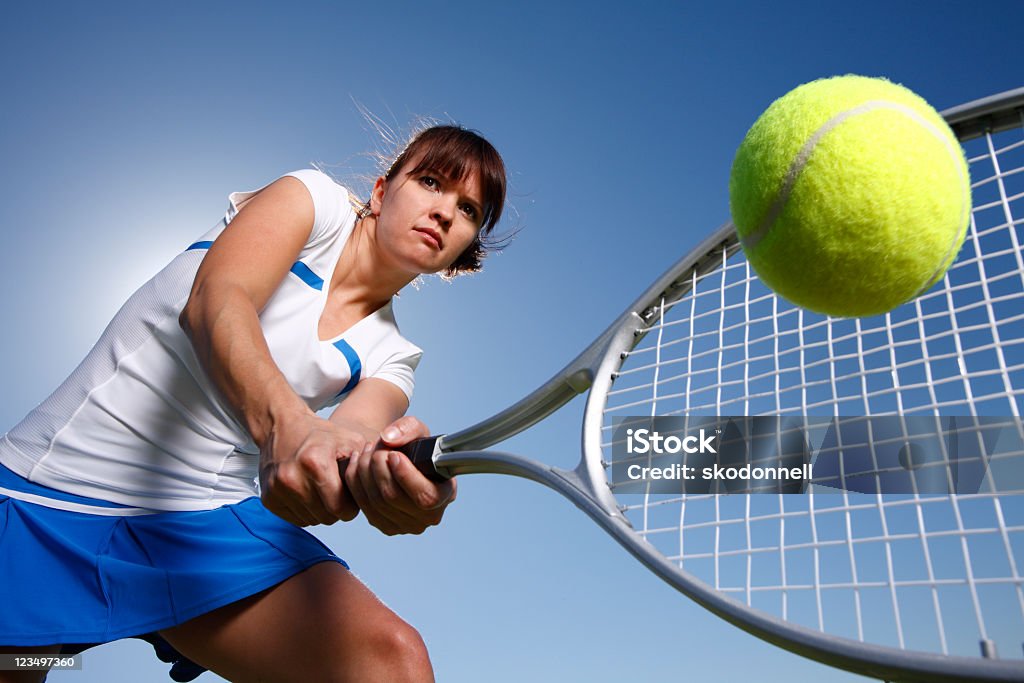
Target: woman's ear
377, 195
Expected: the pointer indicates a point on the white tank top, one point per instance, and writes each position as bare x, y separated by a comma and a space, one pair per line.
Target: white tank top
139, 423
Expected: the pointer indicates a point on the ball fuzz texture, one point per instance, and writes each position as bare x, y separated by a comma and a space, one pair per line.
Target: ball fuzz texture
850, 196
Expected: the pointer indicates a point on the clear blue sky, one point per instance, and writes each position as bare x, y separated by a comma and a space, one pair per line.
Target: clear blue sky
123, 129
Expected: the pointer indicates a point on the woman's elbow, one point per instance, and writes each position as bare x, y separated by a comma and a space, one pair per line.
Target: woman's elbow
190, 318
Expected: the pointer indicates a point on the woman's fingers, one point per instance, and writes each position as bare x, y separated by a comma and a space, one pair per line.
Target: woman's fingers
395, 497
404, 430
430, 498
300, 474
375, 498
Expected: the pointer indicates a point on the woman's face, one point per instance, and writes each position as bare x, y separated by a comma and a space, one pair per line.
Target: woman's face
425, 221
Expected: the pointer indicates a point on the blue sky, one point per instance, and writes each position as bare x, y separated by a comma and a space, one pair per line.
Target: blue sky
123, 128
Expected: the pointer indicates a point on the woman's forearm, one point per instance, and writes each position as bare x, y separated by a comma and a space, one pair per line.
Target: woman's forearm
223, 326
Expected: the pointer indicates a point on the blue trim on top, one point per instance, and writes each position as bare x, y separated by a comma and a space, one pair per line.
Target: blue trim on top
308, 276
15, 482
355, 366
299, 268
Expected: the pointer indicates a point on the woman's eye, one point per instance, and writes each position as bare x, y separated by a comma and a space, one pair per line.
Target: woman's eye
469, 210
430, 182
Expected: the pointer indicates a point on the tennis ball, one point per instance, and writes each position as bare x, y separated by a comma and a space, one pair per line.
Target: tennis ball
850, 196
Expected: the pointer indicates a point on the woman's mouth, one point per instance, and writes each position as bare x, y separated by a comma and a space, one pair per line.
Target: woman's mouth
433, 237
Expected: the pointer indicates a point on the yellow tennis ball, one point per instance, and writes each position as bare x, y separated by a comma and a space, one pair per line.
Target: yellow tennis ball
850, 196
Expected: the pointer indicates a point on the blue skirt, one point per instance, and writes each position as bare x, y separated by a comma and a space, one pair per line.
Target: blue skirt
76, 577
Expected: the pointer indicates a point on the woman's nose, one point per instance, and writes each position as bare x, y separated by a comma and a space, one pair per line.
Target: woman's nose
444, 211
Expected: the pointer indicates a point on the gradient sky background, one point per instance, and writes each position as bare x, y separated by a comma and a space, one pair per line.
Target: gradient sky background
123, 129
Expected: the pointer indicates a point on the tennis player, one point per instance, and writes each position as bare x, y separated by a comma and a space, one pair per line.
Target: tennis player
160, 491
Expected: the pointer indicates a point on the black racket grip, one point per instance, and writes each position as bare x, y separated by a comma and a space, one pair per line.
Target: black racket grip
421, 453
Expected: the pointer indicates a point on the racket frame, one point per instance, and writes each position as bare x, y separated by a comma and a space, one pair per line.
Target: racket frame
587, 486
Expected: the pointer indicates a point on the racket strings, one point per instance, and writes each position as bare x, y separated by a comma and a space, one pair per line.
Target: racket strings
936, 573
931, 344
813, 560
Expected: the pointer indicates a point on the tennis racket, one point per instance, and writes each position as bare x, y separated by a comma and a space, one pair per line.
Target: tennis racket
913, 586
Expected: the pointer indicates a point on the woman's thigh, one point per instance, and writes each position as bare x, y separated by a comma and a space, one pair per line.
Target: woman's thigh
322, 624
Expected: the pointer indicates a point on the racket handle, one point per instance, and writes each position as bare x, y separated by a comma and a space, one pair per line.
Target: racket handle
421, 453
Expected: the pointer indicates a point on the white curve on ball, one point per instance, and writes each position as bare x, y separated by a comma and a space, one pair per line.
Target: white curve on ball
754, 238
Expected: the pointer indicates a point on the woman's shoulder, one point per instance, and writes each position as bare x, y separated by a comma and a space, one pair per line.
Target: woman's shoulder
334, 206
320, 183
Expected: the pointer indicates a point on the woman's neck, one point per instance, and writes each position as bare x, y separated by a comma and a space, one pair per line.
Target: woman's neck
364, 276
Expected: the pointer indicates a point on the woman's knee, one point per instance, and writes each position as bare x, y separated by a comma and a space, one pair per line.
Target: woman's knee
398, 649
385, 649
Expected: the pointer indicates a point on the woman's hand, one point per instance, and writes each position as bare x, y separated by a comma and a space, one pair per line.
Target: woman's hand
395, 497
299, 468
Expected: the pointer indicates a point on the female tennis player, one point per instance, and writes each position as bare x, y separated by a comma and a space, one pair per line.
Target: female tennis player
129, 503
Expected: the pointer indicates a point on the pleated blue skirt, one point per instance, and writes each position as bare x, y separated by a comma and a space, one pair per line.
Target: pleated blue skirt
76, 577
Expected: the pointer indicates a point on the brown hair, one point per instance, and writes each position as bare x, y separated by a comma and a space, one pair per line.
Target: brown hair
456, 152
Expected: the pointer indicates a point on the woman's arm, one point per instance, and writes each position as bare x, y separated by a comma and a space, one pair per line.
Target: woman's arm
239, 274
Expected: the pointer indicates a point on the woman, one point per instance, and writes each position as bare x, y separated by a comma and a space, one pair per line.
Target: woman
128, 498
